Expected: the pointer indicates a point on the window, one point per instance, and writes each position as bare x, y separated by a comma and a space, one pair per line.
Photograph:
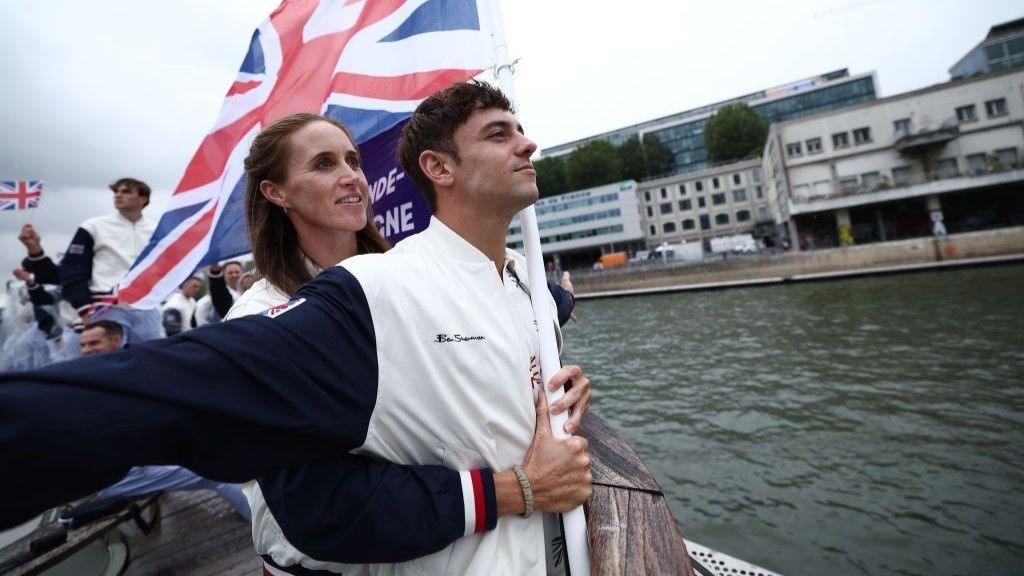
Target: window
682, 189
870, 180
977, 164
840, 140
715, 183
755, 174
647, 195
801, 191
758, 192
650, 212
902, 127
664, 193
698, 185
762, 213
705, 222
654, 231
814, 146
862, 136
1007, 157
665, 207
718, 198
743, 215
700, 202
736, 179
848, 184
996, 108
822, 187
685, 205
689, 224
947, 168
721, 219
901, 175
739, 195
793, 149
668, 227
967, 114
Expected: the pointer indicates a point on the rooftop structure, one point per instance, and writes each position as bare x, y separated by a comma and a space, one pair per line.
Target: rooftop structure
1002, 48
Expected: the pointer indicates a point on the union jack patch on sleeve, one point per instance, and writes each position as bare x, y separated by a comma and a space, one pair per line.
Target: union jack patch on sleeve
282, 308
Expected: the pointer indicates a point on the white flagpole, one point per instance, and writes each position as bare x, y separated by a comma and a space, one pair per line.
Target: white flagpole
574, 521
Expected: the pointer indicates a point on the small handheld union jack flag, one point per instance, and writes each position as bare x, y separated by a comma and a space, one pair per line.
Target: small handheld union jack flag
20, 194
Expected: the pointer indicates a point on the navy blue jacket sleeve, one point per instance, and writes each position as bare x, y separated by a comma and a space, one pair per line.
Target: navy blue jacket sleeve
43, 269
565, 302
219, 295
366, 510
230, 401
39, 296
76, 269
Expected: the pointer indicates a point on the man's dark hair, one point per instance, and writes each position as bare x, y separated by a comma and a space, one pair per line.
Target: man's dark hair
141, 187
434, 123
109, 327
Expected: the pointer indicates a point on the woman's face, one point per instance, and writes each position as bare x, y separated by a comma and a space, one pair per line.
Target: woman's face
325, 188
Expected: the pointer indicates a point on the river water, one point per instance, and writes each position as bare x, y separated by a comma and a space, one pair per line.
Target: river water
865, 426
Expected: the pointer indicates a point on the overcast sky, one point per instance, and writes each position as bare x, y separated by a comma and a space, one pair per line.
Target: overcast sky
104, 89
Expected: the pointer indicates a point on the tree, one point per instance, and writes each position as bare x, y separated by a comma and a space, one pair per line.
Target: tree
593, 164
551, 176
634, 163
660, 159
735, 132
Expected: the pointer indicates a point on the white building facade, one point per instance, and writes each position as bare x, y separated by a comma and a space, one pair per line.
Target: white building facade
698, 206
576, 228
895, 167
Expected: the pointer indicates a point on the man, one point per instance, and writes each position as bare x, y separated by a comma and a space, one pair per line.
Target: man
101, 252
224, 288
101, 336
424, 356
179, 312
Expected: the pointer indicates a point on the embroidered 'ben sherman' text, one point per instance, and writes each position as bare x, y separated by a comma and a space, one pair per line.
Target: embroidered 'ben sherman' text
442, 338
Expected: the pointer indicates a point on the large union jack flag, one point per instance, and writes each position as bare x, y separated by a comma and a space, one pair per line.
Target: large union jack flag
367, 63
20, 194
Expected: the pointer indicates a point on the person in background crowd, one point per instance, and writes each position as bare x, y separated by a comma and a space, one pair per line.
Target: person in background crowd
101, 336
222, 291
179, 312
100, 254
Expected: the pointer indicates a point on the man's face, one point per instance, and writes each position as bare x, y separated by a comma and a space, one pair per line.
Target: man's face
495, 171
95, 340
190, 288
128, 198
232, 272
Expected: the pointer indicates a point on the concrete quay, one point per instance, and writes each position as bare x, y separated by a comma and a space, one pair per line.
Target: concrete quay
988, 247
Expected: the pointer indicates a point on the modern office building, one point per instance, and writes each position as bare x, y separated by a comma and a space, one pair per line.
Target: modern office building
698, 206
942, 159
576, 228
683, 132
1002, 48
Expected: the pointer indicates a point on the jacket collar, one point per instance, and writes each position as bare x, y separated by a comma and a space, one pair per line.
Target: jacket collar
453, 245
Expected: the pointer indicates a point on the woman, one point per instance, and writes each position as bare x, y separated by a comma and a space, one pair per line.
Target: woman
308, 208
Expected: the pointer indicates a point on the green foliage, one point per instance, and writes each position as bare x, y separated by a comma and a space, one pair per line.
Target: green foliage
735, 132
659, 157
634, 164
593, 164
551, 176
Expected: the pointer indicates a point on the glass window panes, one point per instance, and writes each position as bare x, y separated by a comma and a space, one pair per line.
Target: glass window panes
946, 168
762, 213
1007, 157
698, 185
654, 231
718, 198
793, 149
743, 215
689, 224
721, 219
966, 114
650, 212
848, 184
685, 205
901, 127
682, 189
840, 140
715, 183
862, 135
736, 179
996, 108
977, 163
700, 202
814, 146
665, 207
822, 187
755, 174
901, 175
705, 222
668, 227
801, 191
647, 195
664, 193
739, 195
870, 180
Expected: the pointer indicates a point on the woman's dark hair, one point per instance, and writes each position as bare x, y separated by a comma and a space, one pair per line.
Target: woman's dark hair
275, 244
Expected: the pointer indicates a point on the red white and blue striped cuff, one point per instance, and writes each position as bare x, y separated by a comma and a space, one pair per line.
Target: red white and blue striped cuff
479, 500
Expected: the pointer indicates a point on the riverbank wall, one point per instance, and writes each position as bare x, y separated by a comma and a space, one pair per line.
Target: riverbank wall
971, 248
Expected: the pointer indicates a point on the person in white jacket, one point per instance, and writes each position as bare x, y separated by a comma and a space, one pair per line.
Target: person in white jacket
179, 311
